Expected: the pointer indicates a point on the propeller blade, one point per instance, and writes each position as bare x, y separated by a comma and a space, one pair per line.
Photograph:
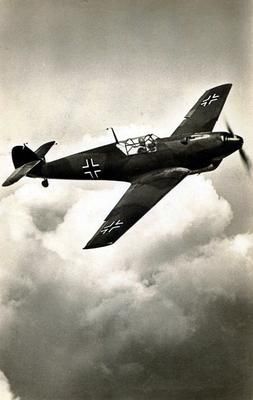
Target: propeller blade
229, 128
246, 160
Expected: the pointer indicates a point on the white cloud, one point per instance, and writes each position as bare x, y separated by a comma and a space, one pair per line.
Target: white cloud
5, 390
150, 291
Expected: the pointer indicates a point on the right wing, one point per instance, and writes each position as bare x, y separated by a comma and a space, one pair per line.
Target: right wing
140, 197
204, 114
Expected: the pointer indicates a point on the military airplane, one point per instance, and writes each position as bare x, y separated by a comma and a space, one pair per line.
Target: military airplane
153, 166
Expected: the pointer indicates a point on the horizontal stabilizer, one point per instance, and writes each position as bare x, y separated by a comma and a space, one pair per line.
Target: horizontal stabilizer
42, 150
20, 172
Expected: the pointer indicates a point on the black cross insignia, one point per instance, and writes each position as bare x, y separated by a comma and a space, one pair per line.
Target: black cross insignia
113, 225
210, 99
91, 168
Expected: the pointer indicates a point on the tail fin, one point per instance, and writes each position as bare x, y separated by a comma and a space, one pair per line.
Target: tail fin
42, 150
24, 160
22, 155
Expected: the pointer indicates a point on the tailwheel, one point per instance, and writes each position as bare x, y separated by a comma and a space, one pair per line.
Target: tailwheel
45, 183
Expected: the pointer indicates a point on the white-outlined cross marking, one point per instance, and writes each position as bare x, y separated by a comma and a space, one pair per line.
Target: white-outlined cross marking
91, 168
210, 99
113, 225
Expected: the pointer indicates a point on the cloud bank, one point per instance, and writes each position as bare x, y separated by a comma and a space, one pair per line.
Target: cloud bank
167, 311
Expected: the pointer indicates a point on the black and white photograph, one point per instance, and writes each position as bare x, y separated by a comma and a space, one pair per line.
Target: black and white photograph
126, 200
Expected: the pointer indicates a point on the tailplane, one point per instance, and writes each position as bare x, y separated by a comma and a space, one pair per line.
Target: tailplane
25, 159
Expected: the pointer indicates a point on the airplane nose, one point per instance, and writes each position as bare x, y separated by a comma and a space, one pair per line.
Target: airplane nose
240, 140
236, 141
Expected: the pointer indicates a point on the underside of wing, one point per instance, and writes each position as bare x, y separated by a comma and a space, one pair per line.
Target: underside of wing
140, 197
204, 114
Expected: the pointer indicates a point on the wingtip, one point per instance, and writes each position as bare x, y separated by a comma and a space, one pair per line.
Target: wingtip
6, 183
228, 85
93, 245
223, 85
87, 247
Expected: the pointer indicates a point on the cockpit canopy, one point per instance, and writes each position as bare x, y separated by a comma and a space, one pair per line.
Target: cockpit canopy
138, 145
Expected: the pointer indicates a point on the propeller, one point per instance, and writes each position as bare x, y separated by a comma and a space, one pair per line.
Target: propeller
244, 157
229, 128
246, 160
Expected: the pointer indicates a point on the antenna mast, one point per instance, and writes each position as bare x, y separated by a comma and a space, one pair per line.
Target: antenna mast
114, 134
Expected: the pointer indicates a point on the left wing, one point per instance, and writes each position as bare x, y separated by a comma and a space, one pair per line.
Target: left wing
204, 114
140, 197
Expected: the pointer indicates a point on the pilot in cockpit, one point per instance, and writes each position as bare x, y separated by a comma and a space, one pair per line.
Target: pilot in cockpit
142, 146
151, 146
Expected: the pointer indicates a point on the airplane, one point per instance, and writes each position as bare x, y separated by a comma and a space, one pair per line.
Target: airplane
153, 166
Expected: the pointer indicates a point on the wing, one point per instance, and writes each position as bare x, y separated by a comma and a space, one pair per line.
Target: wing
204, 114
140, 197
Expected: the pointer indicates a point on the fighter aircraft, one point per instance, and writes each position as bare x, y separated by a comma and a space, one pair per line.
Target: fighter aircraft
153, 166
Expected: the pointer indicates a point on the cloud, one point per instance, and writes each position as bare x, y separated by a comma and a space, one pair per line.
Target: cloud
157, 318
5, 390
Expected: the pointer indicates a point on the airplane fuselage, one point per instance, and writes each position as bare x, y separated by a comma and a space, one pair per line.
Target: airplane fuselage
198, 153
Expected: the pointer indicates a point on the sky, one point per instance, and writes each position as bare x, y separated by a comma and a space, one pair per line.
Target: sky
167, 311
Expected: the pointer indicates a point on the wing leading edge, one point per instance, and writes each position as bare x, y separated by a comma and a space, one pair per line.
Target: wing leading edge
140, 197
204, 114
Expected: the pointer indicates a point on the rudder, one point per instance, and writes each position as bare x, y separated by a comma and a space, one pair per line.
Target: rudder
22, 155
